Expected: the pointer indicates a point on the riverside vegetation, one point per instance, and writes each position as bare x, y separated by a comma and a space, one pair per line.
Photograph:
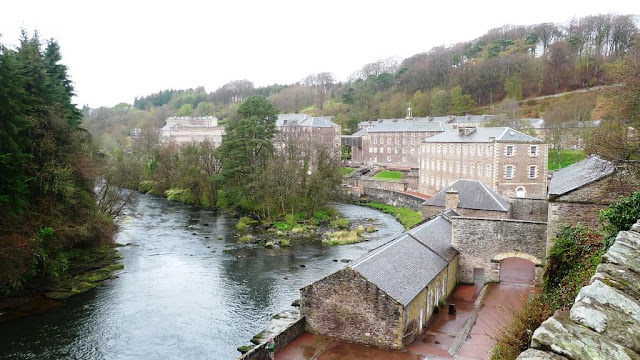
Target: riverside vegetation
571, 263
52, 232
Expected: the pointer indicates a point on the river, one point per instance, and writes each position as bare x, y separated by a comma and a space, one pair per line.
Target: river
180, 295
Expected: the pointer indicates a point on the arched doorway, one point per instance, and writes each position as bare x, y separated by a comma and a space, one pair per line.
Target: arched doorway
517, 271
518, 268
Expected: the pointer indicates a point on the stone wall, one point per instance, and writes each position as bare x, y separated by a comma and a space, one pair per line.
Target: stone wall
604, 321
528, 209
582, 205
394, 198
383, 185
346, 306
281, 340
483, 243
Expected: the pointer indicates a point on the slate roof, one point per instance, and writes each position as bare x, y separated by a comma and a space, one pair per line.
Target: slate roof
303, 120
472, 194
579, 174
472, 119
482, 135
402, 268
409, 126
436, 234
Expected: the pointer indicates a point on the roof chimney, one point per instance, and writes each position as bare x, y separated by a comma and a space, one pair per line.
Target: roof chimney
451, 200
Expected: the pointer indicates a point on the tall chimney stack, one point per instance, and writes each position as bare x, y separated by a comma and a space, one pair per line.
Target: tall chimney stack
451, 200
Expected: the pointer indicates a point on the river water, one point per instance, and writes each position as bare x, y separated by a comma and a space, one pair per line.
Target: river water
180, 295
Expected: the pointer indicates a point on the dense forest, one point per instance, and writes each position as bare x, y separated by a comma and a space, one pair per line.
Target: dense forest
503, 67
48, 212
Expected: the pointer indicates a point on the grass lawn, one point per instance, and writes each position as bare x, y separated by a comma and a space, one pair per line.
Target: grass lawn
346, 171
388, 175
407, 217
567, 157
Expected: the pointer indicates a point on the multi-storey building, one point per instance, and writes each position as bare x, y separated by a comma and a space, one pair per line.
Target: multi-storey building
183, 130
307, 130
396, 142
510, 162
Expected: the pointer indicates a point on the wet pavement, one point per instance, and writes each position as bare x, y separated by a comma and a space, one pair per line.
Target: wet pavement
497, 310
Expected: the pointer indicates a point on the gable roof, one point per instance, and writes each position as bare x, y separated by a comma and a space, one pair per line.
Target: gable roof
402, 268
579, 174
482, 135
436, 234
410, 126
473, 194
303, 120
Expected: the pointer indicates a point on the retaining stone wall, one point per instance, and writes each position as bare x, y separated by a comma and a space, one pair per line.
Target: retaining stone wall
383, 185
604, 321
479, 241
394, 198
281, 340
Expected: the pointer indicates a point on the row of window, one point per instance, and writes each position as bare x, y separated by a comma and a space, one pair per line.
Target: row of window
471, 149
466, 168
375, 150
395, 141
509, 171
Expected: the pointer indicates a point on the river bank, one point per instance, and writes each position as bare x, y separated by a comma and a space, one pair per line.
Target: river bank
90, 270
181, 295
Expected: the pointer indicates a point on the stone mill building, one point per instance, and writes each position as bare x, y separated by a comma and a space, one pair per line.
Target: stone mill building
386, 297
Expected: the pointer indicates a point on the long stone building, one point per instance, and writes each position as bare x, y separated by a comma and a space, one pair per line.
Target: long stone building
184, 130
510, 162
386, 297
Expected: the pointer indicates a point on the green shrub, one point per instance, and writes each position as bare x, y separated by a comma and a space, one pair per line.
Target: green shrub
244, 223
285, 243
182, 195
245, 239
620, 216
341, 223
282, 226
146, 186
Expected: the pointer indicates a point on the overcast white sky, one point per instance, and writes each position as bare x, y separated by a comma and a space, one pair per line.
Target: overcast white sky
116, 50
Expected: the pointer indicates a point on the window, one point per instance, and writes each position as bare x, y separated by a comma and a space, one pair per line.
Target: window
431, 181
464, 168
438, 183
404, 141
450, 166
488, 168
433, 147
451, 149
388, 150
472, 169
509, 150
489, 150
388, 158
480, 148
438, 165
479, 169
533, 172
404, 150
433, 164
444, 166
375, 141
413, 142
465, 149
533, 150
412, 151
458, 149
457, 167
388, 141
426, 165
381, 150
396, 141
509, 171
472, 149
521, 192
438, 149
404, 159
395, 150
